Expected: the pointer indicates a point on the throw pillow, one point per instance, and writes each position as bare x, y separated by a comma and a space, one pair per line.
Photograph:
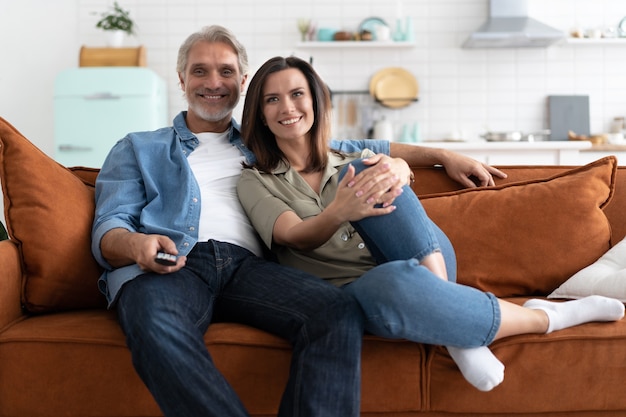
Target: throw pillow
527, 238
49, 212
606, 276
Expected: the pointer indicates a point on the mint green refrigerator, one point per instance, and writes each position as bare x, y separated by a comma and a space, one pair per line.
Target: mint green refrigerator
94, 107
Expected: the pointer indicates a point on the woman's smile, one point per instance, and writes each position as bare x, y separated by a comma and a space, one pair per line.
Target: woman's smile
290, 121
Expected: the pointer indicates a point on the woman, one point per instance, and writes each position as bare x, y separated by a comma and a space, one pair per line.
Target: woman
392, 258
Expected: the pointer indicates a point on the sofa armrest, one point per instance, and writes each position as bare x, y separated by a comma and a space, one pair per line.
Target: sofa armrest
10, 283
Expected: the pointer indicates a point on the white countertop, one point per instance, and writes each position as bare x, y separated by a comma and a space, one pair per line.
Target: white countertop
517, 153
508, 146
607, 147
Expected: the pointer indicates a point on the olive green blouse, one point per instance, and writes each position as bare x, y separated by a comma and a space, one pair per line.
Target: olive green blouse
264, 197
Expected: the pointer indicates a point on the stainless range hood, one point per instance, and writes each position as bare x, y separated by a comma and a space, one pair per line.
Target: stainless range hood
509, 26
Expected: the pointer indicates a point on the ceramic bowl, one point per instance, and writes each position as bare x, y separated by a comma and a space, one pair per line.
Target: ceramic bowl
325, 34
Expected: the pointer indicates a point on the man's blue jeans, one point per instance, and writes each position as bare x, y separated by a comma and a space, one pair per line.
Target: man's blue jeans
403, 299
165, 318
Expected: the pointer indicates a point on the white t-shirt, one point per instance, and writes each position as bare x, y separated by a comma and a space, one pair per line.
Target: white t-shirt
216, 165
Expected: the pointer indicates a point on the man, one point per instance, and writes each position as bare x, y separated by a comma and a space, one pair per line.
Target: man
174, 191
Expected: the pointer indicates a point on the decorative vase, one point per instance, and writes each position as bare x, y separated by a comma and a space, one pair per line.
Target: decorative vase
409, 33
115, 38
398, 34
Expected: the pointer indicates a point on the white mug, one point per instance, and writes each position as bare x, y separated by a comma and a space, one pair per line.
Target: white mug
615, 138
382, 32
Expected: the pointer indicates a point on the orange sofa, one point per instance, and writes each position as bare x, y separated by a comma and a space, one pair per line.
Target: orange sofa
63, 354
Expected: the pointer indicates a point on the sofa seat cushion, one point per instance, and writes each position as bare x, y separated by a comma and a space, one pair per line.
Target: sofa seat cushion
63, 358
580, 369
528, 237
257, 364
70, 364
49, 212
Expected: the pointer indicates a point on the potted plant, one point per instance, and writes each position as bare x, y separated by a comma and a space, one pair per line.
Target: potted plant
116, 23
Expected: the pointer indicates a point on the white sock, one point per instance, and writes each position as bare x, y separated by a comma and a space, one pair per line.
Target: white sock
572, 313
479, 366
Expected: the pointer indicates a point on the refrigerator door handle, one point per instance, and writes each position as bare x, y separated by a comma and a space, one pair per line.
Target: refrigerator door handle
102, 96
73, 148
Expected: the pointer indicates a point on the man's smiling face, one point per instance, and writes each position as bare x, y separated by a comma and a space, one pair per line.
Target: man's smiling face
213, 84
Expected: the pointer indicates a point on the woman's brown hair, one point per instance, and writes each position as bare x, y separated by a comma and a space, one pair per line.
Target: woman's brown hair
260, 139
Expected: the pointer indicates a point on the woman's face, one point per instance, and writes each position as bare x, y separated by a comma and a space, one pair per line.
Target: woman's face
288, 105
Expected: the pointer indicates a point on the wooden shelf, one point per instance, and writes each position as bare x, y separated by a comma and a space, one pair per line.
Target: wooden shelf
353, 44
598, 41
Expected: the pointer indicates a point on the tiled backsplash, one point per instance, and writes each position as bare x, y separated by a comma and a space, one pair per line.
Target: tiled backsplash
462, 92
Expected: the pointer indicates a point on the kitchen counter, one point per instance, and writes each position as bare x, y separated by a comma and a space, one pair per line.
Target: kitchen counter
598, 151
607, 147
517, 153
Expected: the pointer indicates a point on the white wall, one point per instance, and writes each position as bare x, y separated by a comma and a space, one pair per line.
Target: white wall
38, 38
468, 90
460, 90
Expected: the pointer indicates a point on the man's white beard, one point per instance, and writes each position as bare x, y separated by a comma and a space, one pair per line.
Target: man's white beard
209, 116
196, 105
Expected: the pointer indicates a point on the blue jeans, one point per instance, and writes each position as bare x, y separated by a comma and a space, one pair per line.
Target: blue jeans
403, 299
165, 318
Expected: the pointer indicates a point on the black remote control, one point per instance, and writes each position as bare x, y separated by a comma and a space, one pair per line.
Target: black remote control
164, 258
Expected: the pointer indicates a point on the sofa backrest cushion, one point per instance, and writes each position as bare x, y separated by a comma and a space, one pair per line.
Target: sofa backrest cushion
49, 212
517, 238
528, 237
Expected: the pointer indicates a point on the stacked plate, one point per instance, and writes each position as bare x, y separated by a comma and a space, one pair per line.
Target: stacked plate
394, 87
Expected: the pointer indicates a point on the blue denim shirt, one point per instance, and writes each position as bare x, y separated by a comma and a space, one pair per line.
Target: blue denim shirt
146, 185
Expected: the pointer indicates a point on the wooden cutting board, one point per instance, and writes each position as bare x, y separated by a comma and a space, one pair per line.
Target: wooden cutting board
568, 113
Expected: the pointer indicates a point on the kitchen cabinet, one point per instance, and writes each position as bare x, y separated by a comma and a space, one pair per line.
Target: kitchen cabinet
517, 153
598, 151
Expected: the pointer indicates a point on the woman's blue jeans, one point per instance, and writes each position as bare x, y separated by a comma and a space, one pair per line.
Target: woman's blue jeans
165, 318
403, 299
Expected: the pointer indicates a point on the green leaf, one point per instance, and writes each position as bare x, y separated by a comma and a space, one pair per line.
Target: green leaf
116, 19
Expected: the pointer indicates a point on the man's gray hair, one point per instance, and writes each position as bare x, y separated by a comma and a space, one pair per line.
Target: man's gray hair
214, 33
